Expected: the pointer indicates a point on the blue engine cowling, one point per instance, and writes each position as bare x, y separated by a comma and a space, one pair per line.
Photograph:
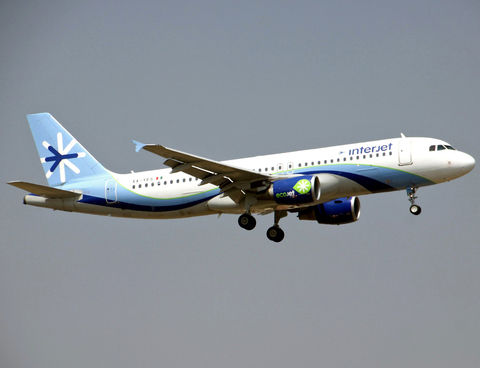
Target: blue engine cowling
297, 190
338, 212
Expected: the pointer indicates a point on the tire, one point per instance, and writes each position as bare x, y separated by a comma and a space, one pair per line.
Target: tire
415, 210
275, 234
247, 222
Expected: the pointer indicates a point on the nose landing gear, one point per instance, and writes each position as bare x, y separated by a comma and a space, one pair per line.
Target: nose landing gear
414, 209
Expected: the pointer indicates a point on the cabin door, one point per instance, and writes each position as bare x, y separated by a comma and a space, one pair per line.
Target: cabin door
404, 152
111, 191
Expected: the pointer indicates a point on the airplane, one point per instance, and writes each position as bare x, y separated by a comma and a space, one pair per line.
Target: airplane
319, 185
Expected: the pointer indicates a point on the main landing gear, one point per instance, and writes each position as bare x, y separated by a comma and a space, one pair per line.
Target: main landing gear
247, 221
414, 209
275, 233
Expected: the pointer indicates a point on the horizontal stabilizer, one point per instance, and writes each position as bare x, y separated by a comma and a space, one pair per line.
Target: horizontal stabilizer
44, 191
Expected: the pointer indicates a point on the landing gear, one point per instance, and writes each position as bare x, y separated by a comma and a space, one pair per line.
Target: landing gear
275, 234
247, 221
414, 209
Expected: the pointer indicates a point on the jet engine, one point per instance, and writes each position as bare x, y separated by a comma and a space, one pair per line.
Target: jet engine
337, 212
296, 190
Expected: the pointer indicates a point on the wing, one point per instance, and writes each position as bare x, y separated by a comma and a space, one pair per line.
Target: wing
233, 181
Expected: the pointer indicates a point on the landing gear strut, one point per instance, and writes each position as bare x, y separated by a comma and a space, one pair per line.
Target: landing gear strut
414, 209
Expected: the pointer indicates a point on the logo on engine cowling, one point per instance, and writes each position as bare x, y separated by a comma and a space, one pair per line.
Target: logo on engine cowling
303, 186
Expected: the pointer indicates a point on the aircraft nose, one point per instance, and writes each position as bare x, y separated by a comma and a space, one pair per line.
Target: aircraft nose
468, 163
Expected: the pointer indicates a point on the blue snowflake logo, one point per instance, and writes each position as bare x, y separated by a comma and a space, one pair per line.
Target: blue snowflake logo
61, 157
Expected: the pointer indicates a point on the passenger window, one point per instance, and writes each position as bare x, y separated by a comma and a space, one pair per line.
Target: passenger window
133, 187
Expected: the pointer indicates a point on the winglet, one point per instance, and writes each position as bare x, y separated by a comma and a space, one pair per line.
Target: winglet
138, 145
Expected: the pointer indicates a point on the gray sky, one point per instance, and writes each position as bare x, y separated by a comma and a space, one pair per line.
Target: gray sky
225, 80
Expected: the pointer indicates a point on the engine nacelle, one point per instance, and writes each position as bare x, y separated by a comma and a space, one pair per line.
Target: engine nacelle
297, 190
338, 212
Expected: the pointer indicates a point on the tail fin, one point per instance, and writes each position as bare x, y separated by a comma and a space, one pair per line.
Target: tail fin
62, 157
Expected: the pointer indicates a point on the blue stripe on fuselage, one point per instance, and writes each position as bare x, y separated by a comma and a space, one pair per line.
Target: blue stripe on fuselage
372, 178
152, 204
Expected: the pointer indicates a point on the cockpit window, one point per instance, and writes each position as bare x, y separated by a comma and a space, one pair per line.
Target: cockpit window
441, 147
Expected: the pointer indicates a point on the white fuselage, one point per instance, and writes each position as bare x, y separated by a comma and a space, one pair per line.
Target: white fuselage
361, 168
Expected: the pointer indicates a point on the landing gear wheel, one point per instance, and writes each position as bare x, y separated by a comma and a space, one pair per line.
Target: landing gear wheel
275, 234
247, 222
415, 209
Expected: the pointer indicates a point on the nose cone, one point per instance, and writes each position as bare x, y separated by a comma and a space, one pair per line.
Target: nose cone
468, 163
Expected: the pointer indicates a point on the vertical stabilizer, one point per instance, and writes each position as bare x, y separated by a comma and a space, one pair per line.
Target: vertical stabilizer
62, 157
